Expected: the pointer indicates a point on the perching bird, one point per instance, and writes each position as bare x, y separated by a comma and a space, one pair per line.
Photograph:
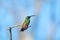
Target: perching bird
26, 23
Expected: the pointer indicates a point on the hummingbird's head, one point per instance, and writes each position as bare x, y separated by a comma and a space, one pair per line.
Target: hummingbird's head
28, 17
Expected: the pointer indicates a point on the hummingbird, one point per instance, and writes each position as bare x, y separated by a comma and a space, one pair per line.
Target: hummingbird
26, 23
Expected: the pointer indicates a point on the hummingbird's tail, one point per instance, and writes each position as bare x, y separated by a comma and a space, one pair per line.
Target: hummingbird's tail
22, 30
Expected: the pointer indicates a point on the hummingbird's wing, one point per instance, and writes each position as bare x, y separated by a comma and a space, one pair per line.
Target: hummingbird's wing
28, 23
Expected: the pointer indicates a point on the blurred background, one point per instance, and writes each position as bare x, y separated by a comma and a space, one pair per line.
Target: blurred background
45, 26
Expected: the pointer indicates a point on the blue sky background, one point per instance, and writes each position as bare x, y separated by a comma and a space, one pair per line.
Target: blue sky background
13, 12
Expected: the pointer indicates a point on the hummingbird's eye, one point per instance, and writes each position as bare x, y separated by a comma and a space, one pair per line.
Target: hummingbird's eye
29, 17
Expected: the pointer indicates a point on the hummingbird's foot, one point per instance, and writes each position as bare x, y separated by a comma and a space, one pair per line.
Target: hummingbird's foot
29, 26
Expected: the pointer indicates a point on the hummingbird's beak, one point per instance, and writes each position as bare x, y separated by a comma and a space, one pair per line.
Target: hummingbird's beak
32, 15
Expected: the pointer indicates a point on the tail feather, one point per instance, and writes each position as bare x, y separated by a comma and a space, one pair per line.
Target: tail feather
22, 30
